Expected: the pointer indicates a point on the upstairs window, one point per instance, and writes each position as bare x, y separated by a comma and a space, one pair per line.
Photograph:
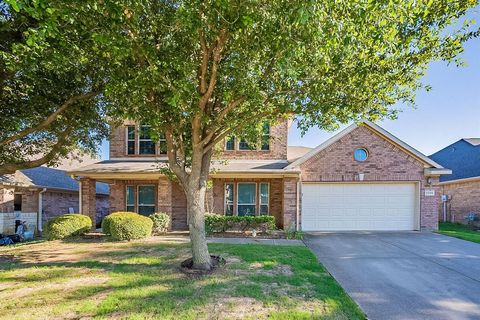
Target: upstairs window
130, 139
243, 145
146, 145
230, 143
265, 139
162, 144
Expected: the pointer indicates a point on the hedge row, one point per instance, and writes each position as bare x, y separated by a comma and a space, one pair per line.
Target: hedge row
68, 225
220, 223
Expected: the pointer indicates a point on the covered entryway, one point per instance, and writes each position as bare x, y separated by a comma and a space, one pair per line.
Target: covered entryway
359, 206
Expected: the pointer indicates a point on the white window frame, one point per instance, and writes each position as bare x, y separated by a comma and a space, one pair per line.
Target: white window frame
225, 197
134, 197
265, 135
260, 204
128, 140
145, 140
138, 197
234, 144
160, 140
247, 204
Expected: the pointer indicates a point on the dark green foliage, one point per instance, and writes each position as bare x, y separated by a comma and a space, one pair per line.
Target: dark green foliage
66, 226
220, 223
161, 222
127, 226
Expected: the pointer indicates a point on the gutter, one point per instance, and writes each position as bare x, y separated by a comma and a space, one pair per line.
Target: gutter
40, 211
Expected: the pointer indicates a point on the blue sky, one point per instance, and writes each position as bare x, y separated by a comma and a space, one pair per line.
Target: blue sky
447, 113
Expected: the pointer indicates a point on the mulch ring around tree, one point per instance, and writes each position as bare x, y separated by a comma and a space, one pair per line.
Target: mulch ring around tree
186, 266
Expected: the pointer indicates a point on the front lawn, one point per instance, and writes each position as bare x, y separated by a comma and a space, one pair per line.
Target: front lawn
142, 280
459, 231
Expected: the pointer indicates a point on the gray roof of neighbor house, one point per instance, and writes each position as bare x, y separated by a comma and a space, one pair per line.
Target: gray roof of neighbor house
44, 177
463, 157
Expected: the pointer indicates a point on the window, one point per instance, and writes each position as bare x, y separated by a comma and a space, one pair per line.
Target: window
17, 202
230, 143
130, 196
243, 145
264, 198
162, 144
229, 199
247, 199
130, 139
360, 154
146, 200
265, 139
146, 145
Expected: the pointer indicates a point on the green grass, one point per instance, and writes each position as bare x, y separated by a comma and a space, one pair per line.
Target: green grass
141, 280
459, 231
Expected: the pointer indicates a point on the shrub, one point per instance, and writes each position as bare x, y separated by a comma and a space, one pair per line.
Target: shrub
295, 235
127, 226
66, 226
219, 223
161, 221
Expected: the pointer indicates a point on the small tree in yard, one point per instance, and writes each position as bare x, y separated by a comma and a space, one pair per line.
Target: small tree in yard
199, 71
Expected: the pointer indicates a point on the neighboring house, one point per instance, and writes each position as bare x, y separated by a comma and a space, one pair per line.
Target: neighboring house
462, 188
361, 179
48, 191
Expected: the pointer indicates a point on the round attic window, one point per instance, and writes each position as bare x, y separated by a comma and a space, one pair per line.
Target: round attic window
360, 154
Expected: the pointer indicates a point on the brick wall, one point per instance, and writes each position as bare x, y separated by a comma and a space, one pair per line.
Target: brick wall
6, 199
278, 145
386, 162
465, 198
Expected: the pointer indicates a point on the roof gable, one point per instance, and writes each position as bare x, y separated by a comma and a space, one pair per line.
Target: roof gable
379, 131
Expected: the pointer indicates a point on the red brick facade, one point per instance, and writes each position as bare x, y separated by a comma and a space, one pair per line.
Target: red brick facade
54, 202
464, 198
386, 162
278, 145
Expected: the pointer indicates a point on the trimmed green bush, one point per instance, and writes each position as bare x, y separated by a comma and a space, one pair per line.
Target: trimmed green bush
127, 226
161, 221
220, 223
68, 225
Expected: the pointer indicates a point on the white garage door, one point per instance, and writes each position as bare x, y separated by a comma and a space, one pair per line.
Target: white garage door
355, 206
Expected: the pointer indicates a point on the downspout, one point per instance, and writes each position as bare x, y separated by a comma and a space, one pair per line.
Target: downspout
40, 211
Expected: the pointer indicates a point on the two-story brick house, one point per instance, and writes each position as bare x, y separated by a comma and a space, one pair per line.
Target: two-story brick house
363, 178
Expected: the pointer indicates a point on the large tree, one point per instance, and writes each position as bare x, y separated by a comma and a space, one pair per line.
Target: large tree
198, 71
50, 89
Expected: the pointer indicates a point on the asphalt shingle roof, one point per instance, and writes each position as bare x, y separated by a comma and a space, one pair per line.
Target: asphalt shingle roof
50, 178
462, 157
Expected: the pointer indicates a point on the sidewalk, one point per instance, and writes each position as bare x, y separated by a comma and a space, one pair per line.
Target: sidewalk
274, 242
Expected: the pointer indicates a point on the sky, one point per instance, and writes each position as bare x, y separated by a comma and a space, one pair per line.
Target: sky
443, 115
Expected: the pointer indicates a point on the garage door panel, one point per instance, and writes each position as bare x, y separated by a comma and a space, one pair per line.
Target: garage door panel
353, 206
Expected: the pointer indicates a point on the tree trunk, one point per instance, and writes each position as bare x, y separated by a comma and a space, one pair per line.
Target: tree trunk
195, 191
196, 225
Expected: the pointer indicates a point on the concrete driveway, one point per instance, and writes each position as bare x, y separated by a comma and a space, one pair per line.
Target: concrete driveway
404, 275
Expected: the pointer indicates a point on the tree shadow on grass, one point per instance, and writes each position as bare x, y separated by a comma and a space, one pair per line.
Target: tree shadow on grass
145, 280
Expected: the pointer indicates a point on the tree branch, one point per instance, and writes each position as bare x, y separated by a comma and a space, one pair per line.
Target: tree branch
54, 151
51, 118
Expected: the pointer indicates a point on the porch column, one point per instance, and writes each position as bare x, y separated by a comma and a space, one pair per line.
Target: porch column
290, 203
7, 217
88, 200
